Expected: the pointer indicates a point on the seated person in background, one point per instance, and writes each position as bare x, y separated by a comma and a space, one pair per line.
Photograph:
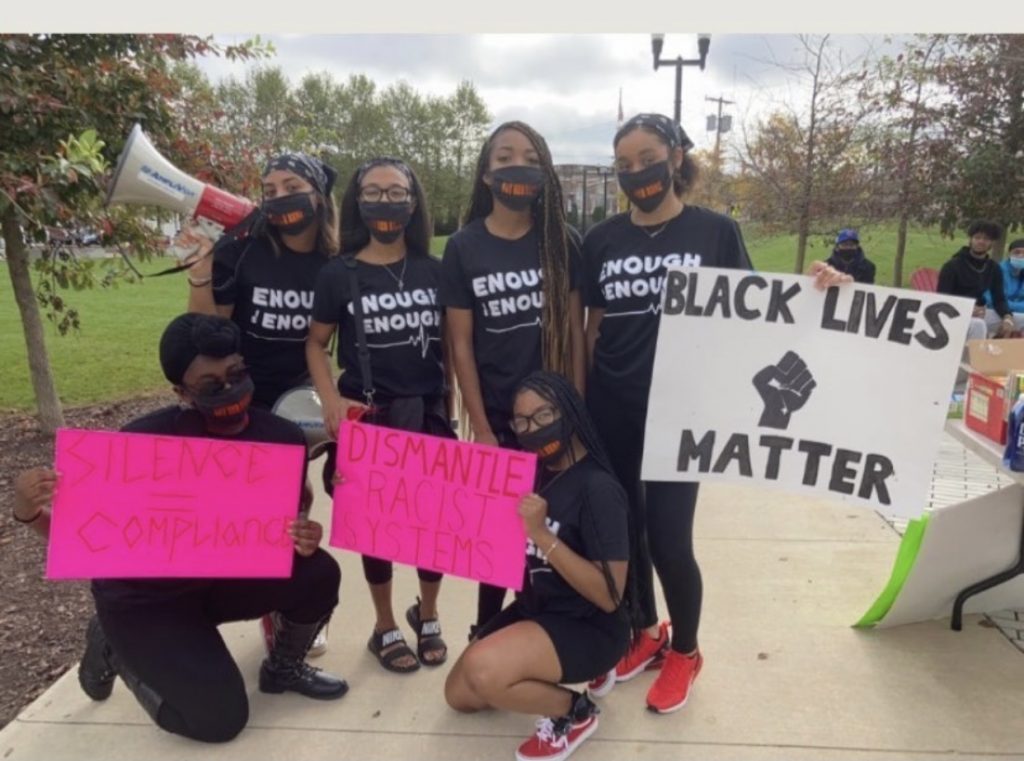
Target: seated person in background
971, 272
1013, 285
160, 635
848, 257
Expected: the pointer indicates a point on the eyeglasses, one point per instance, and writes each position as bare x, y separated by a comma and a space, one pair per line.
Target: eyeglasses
543, 416
214, 386
395, 194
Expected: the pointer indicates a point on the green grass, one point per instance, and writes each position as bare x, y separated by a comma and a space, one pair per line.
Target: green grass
115, 354
437, 245
925, 248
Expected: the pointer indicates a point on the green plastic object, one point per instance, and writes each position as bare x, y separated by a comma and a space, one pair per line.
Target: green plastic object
906, 556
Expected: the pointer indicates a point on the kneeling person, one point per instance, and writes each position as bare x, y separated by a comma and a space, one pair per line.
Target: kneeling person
160, 635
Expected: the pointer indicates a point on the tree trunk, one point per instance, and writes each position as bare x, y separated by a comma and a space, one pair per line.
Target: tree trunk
901, 249
803, 232
47, 402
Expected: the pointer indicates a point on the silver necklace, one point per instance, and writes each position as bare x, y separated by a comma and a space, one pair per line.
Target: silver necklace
400, 279
984, 265
654, 233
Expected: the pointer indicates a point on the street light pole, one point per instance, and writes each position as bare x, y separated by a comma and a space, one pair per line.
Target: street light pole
703, 44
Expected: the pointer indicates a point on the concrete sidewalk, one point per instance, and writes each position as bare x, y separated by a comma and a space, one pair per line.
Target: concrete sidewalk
785, 676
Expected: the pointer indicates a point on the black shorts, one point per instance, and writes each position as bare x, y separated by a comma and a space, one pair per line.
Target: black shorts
586, 647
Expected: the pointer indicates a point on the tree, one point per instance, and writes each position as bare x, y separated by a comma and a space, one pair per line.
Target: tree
469, 122
806, 166
58, 95
908, 141
980, 173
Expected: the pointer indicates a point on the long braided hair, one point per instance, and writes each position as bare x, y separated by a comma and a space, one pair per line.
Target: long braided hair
548, 213
560, 393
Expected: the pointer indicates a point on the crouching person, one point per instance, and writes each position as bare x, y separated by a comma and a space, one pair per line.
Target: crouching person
570, 624
160, 635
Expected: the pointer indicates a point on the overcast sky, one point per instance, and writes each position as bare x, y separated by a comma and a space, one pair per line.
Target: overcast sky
566, 86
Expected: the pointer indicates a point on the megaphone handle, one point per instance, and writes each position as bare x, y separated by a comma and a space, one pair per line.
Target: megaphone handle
209, 228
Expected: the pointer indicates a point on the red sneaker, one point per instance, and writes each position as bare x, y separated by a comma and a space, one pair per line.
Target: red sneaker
672, 687
646, 654
598, 688
556, 739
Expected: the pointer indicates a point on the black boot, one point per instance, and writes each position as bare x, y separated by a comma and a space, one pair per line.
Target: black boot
100, 667
96, 673
286, 668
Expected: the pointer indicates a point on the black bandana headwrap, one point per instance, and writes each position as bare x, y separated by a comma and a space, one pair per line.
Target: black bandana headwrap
668, 130
312, 170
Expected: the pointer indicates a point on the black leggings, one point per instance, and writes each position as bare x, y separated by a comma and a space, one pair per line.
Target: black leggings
491, 599
379, 571
375, 570
662, 513
173, 645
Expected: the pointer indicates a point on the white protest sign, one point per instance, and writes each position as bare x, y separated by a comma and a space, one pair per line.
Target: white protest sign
761, 377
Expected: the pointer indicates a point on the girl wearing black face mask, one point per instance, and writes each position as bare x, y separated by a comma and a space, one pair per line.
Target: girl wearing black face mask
264, 281
509, 290
387, 267
625, 258
569, 624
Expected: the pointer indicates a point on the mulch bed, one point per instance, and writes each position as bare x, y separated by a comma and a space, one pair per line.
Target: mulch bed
42, 623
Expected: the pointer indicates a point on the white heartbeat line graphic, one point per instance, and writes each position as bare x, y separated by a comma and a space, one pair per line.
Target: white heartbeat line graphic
422, 340
652, 309
535, 323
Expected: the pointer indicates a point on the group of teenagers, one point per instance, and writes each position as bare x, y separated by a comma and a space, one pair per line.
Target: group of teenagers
550, 341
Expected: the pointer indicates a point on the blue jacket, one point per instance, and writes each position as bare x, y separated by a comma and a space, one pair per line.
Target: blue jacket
1013, 285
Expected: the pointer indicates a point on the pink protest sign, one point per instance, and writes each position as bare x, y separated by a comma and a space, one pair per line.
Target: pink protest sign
432, 503
133, 505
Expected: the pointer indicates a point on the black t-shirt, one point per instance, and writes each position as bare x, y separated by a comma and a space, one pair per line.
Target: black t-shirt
173, 421
500, 280
272, 296
588, 512
403, 326
624, 270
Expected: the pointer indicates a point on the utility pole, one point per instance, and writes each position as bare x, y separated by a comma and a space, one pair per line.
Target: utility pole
718, 124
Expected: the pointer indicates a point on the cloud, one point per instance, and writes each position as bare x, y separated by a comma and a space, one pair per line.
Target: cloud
567, 85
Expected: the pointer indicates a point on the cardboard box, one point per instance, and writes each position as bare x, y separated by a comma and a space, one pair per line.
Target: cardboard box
996, 367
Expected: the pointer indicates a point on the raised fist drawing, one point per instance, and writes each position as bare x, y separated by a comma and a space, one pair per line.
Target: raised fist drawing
784, 388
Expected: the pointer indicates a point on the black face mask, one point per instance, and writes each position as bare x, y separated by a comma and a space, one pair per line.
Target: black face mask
647, 188
290, 214
386, 221
847, 254
517, 187
228, 407
548, 443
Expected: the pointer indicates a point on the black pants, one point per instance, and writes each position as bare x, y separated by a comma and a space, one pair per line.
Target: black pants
431, 418
173, 645
662, 513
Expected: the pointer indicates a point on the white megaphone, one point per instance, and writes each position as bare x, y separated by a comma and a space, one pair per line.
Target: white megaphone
302, 406
143, 176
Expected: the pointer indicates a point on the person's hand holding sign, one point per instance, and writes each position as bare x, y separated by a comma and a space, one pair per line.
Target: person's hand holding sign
533, 509
784, 388
33, 491
307, 535
825, 275
337, 409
